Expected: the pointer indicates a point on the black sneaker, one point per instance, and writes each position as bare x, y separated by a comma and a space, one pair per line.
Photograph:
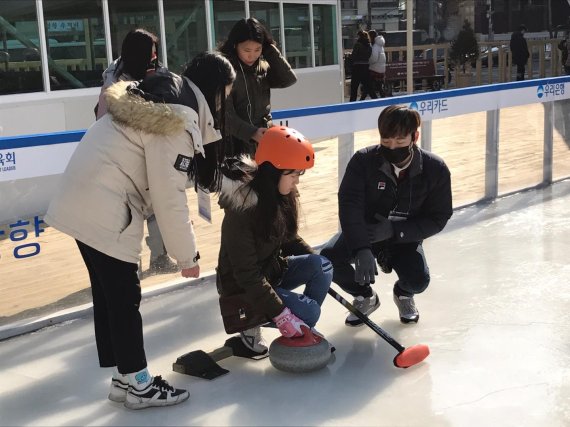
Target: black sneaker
157, 393
365, 306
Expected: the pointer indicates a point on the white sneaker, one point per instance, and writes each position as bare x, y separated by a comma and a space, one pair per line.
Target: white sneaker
253, 340
407, 308
157, 393
118, 390
365, 306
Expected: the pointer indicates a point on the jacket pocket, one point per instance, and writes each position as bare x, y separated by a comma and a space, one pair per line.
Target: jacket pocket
131, 233
239, 314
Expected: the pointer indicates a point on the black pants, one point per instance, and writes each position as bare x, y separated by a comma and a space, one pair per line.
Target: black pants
116, 298
520, 72
361, 75
407, 260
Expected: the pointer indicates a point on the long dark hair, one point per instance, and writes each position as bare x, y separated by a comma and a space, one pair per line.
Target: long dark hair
211, 72
136, 53
363, 37
243, 30
275, 215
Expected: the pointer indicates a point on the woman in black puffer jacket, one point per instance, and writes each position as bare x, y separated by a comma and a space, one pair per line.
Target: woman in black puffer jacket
360, 67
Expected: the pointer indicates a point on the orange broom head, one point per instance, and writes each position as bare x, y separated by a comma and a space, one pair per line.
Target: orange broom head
411, 356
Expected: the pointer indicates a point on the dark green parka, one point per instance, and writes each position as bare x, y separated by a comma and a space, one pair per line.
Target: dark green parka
249, 105
247, 263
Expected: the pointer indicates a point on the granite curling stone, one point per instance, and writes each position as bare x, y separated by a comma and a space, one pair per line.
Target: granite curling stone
308, 353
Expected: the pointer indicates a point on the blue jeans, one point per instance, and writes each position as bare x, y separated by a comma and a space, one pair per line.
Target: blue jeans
313, 271
408, 261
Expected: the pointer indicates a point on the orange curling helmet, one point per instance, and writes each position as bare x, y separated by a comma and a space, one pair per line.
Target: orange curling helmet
285, 148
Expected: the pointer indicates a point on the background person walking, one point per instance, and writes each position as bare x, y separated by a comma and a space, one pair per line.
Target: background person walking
377, 61
519, 49
360, 68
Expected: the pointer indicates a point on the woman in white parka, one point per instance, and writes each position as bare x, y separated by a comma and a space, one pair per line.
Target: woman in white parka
377, 61
134, 161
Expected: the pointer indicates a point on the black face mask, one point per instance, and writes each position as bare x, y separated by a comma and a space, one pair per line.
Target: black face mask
396, 155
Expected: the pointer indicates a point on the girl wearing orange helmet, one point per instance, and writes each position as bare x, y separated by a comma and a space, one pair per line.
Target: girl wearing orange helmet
262, 257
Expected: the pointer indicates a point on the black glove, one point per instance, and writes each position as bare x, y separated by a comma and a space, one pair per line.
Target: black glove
267, 48
365, 267
380, 231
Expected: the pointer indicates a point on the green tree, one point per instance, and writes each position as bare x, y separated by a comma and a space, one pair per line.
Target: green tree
464, 49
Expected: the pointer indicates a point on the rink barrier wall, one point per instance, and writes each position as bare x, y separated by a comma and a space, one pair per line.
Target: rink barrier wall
32, 158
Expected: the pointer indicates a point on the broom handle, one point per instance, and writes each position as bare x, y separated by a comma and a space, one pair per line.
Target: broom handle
366, 320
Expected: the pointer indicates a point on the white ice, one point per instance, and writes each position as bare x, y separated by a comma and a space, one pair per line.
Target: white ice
495, 316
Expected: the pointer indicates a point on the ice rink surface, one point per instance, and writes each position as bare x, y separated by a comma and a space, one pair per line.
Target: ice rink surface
496, 317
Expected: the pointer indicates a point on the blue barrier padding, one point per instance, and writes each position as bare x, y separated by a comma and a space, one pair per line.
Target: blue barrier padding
406, 99
22, 141
75, 136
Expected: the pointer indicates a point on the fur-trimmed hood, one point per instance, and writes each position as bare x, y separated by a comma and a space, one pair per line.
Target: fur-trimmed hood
163, 104
133, 111
235, 193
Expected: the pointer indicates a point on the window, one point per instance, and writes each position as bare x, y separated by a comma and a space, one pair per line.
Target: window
226, 14
185, 29
324, 24
297, 35
20, 62
268, 14
126, 15
75, 39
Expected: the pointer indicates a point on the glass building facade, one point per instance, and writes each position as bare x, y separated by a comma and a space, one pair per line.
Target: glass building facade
50, 45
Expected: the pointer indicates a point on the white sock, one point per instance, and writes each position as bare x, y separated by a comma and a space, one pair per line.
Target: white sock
118, 376
140, 379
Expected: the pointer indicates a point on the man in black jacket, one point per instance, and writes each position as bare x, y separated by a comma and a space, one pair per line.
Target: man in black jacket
392, 197
519, 49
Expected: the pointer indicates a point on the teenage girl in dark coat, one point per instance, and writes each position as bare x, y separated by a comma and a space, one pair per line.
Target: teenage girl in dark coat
260, 67
262, 257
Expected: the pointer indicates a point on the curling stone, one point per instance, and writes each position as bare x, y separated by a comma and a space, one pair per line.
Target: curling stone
304, 354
